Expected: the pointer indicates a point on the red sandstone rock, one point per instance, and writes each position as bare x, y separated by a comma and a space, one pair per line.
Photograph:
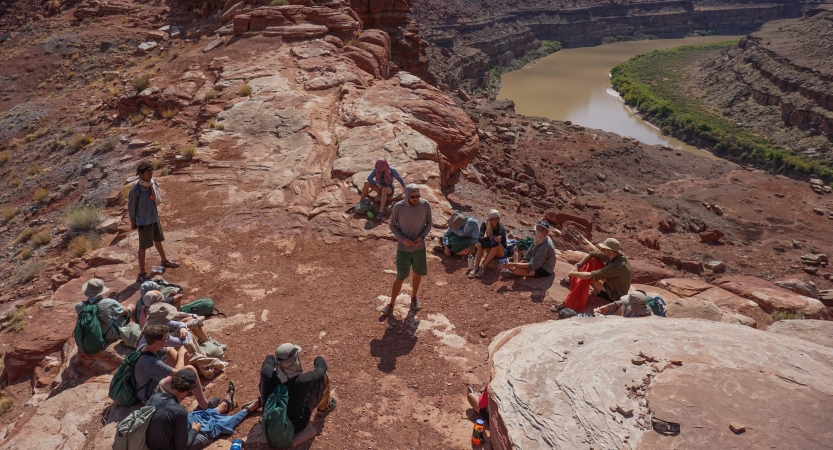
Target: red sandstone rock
241, 23
711, 236
668, 224
649, 238
364, 59
645, 273
771, 297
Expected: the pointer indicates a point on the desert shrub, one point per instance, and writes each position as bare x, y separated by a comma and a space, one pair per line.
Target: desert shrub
158, 163
6, 403
83, 219
357, 43
136, 118
79, 141
8, 213
125, 191
42, 238
114, 90
147, 111
141, 82
16, 320
37, 134
245, 90
786, 315
189, 151
210, 95
25, 253
24, 236
28, 271
106, 145
278, 3
83, 243
41, 195
33, 170
169, 113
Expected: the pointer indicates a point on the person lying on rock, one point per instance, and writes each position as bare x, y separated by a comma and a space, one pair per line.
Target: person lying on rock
111, 314
178, 323
380, 181
539, 260
492, 242
146, 287
173, 428
142, 205
158, 363
461, 236
308, 392
634, 304
410, 222
614, 279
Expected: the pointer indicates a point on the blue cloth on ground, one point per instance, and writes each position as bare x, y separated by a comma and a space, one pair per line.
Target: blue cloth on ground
215, 423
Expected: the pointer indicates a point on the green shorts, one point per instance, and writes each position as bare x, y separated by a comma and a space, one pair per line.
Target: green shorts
404, 261
456, 244
148, 234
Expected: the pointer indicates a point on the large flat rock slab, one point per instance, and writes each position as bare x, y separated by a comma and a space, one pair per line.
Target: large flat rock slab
771, 297
815, 331
553, 385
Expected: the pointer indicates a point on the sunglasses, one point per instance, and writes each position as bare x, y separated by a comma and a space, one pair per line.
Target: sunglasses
413, 196
663, 427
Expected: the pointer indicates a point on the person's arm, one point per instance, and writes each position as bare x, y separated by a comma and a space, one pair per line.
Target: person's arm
132, 198
429, 222
501, 235
372, 177
394, 222
445, 237
469, 230
316, 374
397, 177
609, 308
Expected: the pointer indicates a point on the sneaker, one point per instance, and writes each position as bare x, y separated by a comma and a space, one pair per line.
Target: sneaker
481, 272
386, 310
415, 304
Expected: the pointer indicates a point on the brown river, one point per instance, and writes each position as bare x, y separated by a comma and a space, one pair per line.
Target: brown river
574, 85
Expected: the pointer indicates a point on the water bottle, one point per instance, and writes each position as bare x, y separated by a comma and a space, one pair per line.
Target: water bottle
503, 261
158, 269
476, 434
237, 444
471, 261
370, 215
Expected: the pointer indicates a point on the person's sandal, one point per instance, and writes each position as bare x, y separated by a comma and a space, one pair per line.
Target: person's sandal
232, 390
170, 264
142, 277
330, 407
471, 273
481, 272
213, 402
248, 405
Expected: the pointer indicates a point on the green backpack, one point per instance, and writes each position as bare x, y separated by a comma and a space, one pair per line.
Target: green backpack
201, 307
131, 433
122, 388
274, 422
88, 335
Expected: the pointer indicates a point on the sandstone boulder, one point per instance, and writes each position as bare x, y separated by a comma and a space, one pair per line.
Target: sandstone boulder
542, 397
645, 273
799, 285
815, 331
684, 287
771, 297
696, 308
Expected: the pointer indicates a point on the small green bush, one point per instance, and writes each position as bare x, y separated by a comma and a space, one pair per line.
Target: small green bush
786, 315
83, 219
28, 271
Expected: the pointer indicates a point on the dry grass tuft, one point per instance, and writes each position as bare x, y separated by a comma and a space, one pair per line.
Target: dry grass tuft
79, 141
141, 82
189, 151
16, 320
42, 238
42, 195
6, 403
245, 90
28, 271
24, 236
169, 113
83, 243
8, 213
83, 219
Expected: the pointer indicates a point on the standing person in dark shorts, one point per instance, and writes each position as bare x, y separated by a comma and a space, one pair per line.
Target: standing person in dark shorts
141, 205
410, 222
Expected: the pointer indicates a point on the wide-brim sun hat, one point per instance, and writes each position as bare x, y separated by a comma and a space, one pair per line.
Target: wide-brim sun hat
94, 287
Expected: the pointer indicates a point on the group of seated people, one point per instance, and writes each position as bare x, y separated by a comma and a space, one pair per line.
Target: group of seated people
172, 359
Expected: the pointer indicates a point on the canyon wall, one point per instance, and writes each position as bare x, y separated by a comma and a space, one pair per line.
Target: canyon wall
465, 46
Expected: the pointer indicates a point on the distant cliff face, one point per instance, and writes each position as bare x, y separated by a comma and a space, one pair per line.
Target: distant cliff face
467, 38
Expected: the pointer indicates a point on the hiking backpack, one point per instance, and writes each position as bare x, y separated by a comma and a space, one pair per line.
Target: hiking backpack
201, 307
88, 334
657, 305
277, 429
122, 388
131, 433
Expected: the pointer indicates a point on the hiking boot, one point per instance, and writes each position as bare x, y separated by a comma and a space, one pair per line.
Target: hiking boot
387, 309
415, 305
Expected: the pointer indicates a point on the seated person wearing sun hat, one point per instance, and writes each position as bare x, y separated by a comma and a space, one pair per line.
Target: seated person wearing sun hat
634, 304
539, 260
461, 235
614, 279
141, 305
111, 314
308, 392
163, 314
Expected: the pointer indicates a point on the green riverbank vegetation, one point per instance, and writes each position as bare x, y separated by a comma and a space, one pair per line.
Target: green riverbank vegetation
547, 47
656, 84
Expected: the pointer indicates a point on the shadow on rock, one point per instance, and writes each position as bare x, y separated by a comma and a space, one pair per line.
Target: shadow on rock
399, 339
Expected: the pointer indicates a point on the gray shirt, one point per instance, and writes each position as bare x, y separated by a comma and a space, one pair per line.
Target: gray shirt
410, 222
149, 371
542, 256
111, 316
469, 231
141, 208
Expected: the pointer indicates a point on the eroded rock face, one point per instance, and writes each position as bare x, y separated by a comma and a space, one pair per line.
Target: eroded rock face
555, 384
771, 297
815, 331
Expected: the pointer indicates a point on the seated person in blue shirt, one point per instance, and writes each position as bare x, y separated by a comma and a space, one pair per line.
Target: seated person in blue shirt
381, 181
461, 235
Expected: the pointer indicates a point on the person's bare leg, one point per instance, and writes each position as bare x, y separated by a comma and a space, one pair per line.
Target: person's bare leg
397, 286
494, 251
142, 253
161, 250
464, 252
597, 285
170, 357
417, 280
199, 394
474, 402
385, 192
177, 303
365, 189
199, 334
478, 256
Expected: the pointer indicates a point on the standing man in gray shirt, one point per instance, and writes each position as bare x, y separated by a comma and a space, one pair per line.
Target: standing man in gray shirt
141, 205
410, 222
